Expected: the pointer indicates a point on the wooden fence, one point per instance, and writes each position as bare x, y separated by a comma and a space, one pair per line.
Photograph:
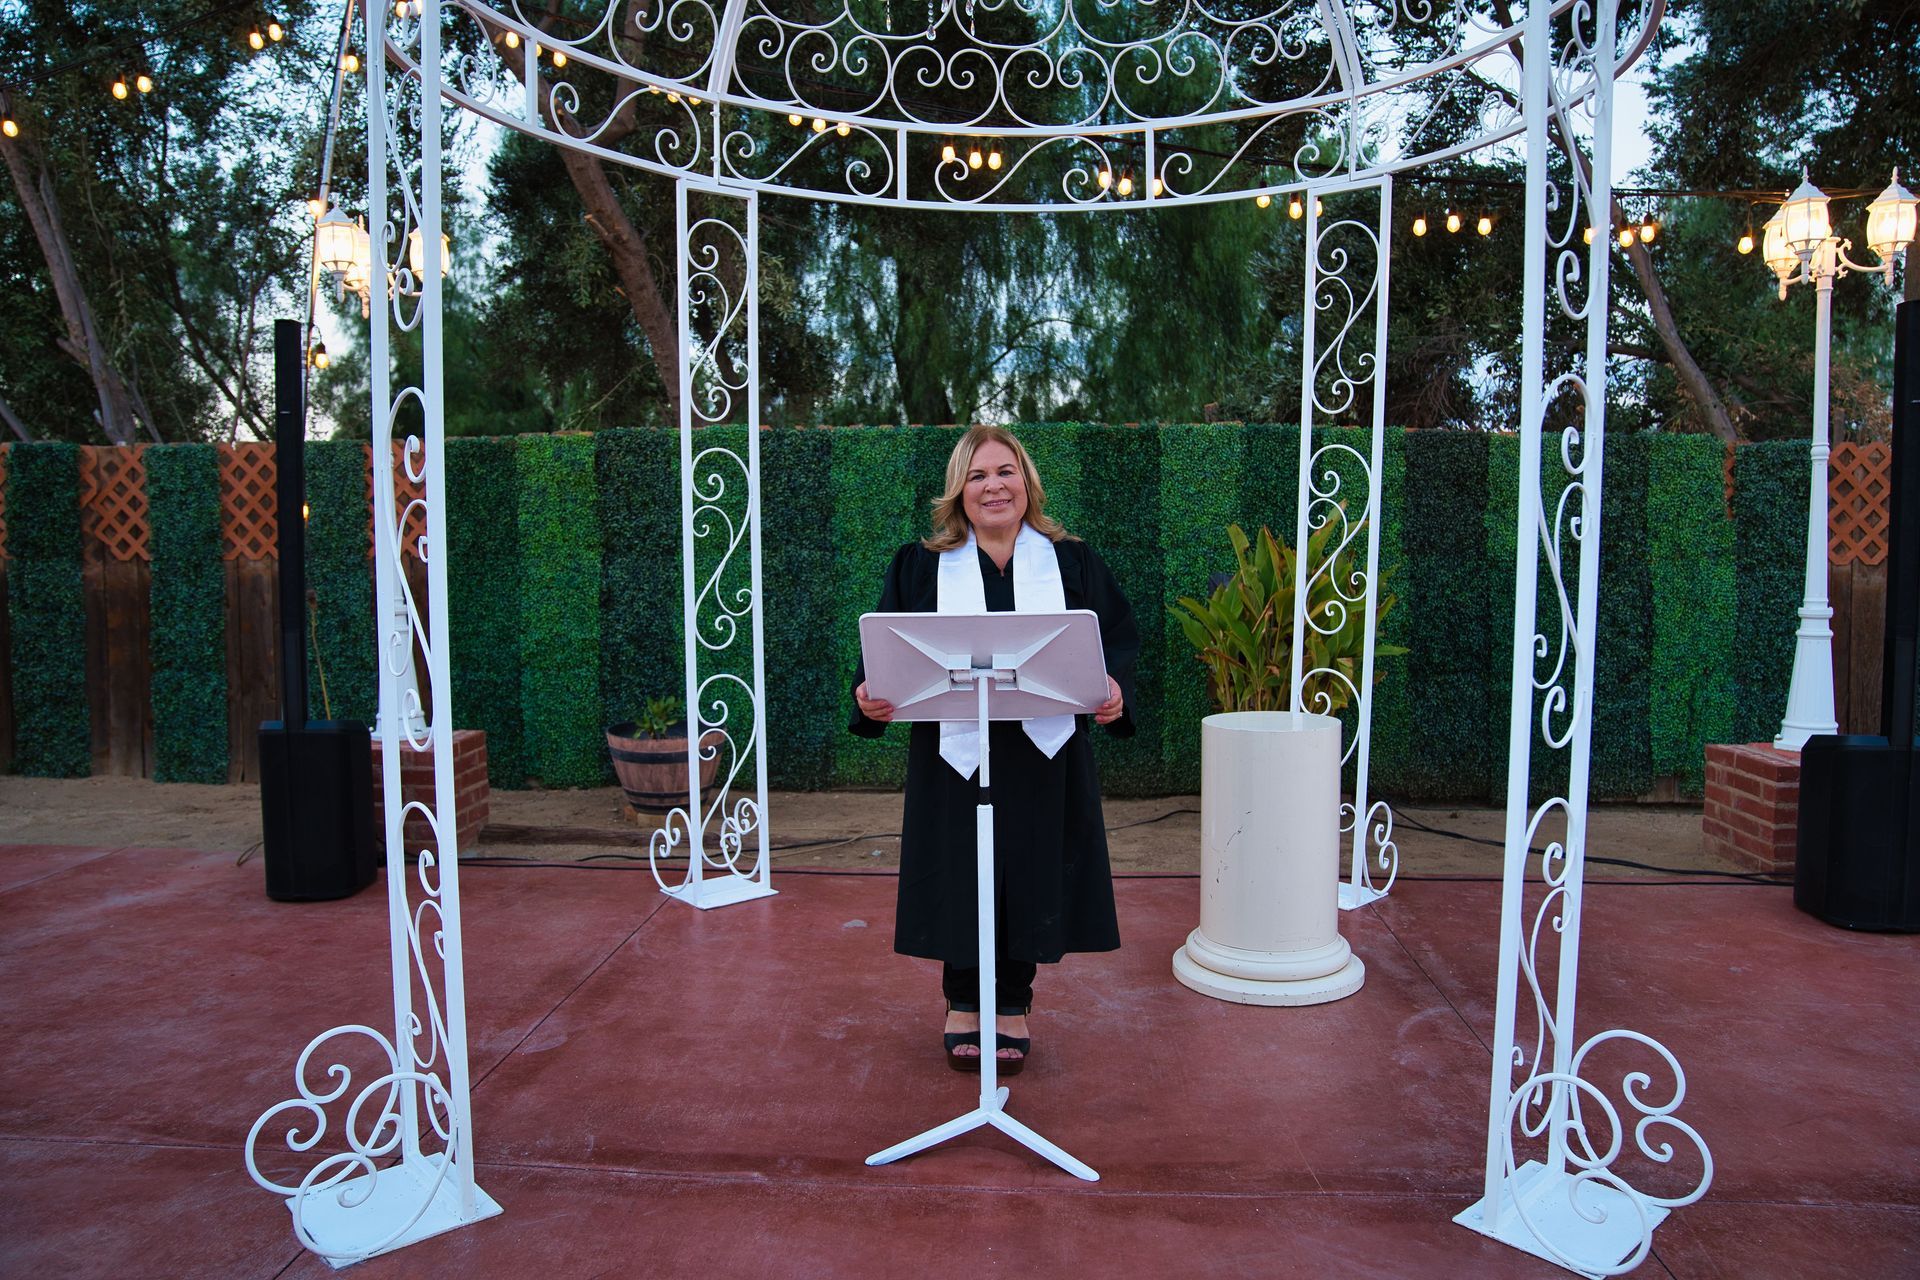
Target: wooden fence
115, 556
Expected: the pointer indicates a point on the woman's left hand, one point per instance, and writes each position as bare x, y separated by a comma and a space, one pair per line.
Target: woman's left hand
1110, 710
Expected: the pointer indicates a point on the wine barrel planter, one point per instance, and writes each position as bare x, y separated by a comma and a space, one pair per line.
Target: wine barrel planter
653, 771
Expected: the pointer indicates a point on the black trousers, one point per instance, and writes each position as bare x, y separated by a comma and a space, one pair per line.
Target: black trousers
1012, 988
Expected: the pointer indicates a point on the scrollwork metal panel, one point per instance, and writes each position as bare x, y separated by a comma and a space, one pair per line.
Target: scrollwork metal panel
1574, 1204
397, 1181
722, 834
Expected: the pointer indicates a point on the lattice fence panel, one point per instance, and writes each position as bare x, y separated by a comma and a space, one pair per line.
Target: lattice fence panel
1859, 492
249, 507
113, 503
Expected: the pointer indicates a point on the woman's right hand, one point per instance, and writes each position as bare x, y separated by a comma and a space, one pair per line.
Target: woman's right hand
873, 708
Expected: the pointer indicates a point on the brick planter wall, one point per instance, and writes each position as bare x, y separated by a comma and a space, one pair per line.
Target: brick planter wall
1752, 812
471, 792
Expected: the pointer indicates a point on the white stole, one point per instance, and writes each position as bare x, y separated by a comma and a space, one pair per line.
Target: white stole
1036, 589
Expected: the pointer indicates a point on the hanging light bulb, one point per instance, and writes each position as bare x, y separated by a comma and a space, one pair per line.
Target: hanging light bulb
143, 82
559, 58
946, 152
120, 87
692, 101
974, 158
513, 39
994, 158
1648, 230
1295, 209
315, 207
538, 48
1420, 225
351, 62
1626, 237
275, 32
1106, 179
399, 8
1587, 235
319, 360
306, 511
1746, 243
1484, 226
1157, 187
1453, 221
1262, 201
8, 127
1126, 182
257, 42
842, 129
1318, 208
819, 125
793, 120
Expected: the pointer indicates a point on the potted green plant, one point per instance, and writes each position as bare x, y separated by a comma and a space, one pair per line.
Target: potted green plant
1270, 774
650, 757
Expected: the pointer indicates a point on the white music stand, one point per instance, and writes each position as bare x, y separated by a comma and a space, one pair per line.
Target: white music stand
989, 666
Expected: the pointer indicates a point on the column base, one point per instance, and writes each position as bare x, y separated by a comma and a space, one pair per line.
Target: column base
1318, 976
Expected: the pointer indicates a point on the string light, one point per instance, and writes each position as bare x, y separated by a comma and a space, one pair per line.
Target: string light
1746, 243
946, 150
1157, 187
819, 125
974, 158
1263, 200
1626, 237
1126, 182
351, 62
315, 207
843, 128
559, 58
793, 120
513, 39
1453, 221
257, 42
538, 48
1420, 225
1484, 226
1648, 229
8, 127
1106, 179
994, 158
120, 87
143, 82
275, 32
1318, 208
1295, 209
319, 360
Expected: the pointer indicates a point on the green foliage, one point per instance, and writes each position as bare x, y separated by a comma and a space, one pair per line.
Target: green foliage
637, 475
1770, 557
1622, 752
660, 717
1199, 492
1690, 545
560, 569
187, 639
1121, 484
483, 601
1243, 632
1390, 745
871, 466
1447, 593
47, 612
340, 581
806, 686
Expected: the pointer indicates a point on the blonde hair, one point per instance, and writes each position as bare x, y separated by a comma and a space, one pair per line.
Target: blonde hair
950, 527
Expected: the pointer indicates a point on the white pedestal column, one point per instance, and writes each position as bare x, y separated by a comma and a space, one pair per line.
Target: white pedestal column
1269, 863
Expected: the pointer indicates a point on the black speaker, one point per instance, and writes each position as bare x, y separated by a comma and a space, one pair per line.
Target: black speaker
316, 809
1857, 863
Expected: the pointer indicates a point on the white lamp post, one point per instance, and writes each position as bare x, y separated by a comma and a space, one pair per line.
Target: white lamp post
1800, 245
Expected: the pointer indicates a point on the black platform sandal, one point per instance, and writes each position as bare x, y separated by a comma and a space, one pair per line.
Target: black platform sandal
954, 1039
1023, 1045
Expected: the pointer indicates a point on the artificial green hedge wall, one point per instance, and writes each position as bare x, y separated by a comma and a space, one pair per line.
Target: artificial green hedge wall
483, 599
1770, 558
47, 612
187, 639
1622, 749
560, 566
1690, 549
340, 582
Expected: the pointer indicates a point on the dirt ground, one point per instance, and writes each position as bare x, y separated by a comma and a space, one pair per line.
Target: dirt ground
832, 829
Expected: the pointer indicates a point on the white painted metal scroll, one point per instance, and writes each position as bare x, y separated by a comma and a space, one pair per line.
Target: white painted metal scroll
401, 1166
1338, 498
717, 235
1573, 1205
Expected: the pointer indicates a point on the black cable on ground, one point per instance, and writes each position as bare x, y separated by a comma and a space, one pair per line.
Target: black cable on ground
1751, 877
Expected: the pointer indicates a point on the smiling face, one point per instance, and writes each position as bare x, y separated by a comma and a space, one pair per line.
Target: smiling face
995, 499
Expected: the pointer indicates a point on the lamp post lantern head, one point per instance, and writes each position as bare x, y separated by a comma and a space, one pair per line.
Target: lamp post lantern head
1804, 217
1776, 252
1890, 222
334, 243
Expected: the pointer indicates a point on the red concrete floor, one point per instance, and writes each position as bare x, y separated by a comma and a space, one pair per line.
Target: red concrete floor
663, 1092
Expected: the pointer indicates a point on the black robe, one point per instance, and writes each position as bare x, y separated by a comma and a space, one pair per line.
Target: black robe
1055, 890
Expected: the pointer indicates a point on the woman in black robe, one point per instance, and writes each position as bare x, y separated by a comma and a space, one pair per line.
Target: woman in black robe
1054, 888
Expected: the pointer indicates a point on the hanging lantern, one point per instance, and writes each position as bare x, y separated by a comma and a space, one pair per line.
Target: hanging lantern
1890, 220
335, 246
417, 256
1776, 252
319, 358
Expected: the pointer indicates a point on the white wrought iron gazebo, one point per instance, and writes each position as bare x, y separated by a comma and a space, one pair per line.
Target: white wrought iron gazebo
1057, 106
